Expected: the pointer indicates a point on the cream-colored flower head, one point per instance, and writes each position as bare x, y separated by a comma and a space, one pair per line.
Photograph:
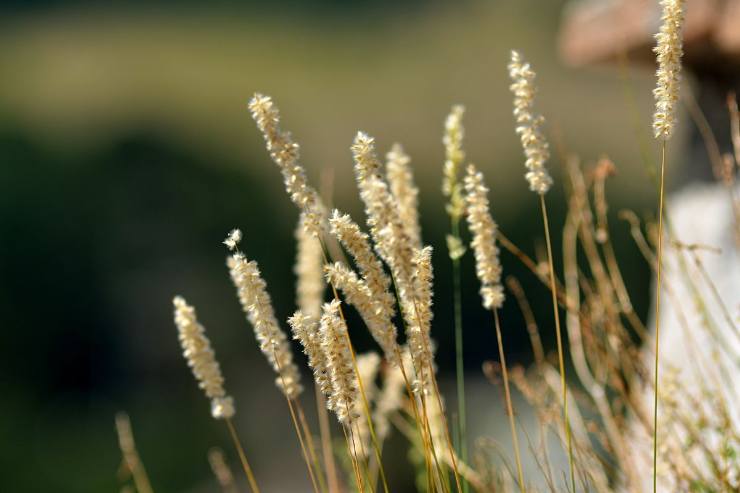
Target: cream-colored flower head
201, 359
309, 271
419, 324
386, 228
371, 268
669, 51
529, 124
454, 157
404, 190
233, 239
257, 306
285, 153
344, 394
358, 294
306, 331
483, 228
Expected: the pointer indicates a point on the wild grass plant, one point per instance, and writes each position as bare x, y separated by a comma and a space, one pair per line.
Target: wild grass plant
601, 416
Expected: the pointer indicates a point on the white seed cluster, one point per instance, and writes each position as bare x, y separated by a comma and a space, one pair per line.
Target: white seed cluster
529, 124
257, 306
285, 153
232, 239
386, 227
454, 157
371, 268
483, 228
309, 272
419, 326
404, 190
344, 390
306, 330
201, 359
358, 294
669, 51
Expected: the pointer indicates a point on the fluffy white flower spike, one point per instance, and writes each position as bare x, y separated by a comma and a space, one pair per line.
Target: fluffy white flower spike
483, 227
529, 124
669, 51
233, 239
201, 359
257, 306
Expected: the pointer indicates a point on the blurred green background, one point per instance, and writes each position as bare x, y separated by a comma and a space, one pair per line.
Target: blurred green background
127, 153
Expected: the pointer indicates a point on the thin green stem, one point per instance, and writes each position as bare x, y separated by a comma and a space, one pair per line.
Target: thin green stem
459, 366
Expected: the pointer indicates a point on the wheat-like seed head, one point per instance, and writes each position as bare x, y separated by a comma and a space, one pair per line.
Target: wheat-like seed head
386, 228
358, 245
309, 272
419, 326
529, 124
201, 359
669, 51
358, 294
232, 239
454, 157
401, 181
483, 227
285, 153
306, 330
257, 306
344, 393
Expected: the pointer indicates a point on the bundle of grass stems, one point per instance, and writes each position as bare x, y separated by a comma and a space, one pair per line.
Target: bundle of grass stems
613, 417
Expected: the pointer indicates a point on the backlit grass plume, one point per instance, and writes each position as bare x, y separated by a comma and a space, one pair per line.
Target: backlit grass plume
669, 51
454, 158
201, 359
285, 152
310, 285
529, 124
483, 228
401, 181
257, 305
358, 294
344, 390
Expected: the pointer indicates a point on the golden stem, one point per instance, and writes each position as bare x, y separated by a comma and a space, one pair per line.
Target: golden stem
657, 318
309, 444
295, 424
561, 360
242, 457
509, 405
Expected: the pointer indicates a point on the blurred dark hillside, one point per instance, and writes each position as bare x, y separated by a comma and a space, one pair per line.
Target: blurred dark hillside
127, 154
